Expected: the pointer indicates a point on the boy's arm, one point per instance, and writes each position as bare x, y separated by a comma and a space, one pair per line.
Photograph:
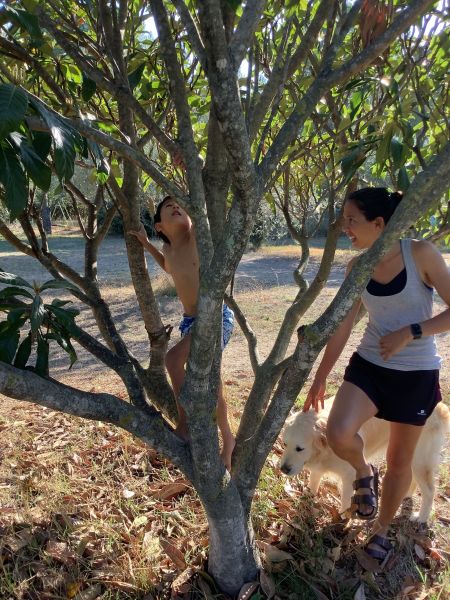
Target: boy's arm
153, 250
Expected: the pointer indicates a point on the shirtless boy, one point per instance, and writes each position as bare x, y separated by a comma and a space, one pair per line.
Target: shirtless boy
179, 257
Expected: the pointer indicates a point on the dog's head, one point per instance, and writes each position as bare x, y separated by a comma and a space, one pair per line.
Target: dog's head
305, 440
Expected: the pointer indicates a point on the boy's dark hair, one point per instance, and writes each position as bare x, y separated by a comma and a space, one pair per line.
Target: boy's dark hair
376, 202
157, 218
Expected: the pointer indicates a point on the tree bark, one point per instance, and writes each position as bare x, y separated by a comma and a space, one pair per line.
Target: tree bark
233, 557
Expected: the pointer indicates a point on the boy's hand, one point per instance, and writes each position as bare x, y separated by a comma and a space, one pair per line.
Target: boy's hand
316, 395
141, 235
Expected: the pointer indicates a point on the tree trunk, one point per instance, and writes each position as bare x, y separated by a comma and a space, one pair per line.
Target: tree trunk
233, 556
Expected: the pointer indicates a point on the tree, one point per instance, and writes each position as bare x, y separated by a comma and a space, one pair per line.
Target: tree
208, 109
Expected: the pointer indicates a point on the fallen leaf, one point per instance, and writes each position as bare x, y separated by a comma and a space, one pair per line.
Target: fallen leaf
360, 593
205, 588
419, 551
436, 554
367, 562
181, 581
90, 593
326, 565
267, 584
407, 590
128, 494
151, 545
73, 588
274, 554
169, 490
61, 552
19, 540
175, 555
247, 590
335, 553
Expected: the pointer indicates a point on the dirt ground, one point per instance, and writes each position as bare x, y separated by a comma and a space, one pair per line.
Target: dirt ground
97, 473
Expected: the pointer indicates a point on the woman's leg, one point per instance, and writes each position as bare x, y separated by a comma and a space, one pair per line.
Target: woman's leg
351, 408
402, 443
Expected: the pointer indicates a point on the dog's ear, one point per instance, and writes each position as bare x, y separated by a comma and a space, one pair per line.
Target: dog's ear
320, 428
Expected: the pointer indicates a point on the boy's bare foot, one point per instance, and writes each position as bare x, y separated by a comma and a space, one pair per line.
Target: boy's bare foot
227, 450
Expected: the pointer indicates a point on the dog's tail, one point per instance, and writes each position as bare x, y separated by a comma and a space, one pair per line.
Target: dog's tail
442, 413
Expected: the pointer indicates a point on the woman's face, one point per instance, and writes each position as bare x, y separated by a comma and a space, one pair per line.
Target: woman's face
362, 233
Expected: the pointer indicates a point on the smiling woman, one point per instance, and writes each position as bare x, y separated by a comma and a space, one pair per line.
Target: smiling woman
394, 375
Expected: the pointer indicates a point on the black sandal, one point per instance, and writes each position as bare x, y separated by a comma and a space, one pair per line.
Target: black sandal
370, 482
382, 556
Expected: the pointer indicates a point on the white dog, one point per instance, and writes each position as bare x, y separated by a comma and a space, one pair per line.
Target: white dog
307, 447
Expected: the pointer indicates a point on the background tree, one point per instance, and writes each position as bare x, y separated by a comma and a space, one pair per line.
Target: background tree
209, 108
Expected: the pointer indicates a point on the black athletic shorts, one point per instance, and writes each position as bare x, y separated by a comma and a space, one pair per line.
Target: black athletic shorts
401, 396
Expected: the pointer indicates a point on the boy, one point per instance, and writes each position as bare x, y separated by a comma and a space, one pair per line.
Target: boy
179, 257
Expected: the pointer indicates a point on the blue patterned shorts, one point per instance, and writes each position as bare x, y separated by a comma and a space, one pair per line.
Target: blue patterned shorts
227, 325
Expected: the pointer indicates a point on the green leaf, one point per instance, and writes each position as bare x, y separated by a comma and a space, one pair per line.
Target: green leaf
58, 284
66, 141
234, 4
8, 346
17, 317
65, 344
101, 164
13, 106
65, 318
42, 142
403, 180
39, 172
396, 153
383, 147
14, 291
135, 76
26, 21
23, 353
42, 357
88, 88
14, 181
37, 313
10, 279
58, 303
351, 162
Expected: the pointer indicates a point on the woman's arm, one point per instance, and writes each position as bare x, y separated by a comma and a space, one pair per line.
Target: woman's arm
434, 272
332, 352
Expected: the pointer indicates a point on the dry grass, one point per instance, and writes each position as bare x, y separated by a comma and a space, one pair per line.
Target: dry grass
88, 512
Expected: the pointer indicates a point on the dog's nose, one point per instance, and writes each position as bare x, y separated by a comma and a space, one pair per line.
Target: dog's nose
286, 468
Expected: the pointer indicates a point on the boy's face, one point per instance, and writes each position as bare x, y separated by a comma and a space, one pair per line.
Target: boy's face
173, 217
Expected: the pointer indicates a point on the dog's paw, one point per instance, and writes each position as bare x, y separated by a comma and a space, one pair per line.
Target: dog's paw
416, 517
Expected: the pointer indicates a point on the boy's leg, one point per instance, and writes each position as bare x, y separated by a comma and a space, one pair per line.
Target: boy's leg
176, 359
224, 426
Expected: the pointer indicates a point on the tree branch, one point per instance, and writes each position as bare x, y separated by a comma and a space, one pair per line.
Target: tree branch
329, 78
150, 427
426, 190
245, 30
192, 31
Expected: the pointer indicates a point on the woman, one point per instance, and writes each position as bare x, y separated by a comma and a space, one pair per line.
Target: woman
394, 374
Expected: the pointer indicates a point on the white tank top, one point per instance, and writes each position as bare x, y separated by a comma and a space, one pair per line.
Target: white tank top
413, 304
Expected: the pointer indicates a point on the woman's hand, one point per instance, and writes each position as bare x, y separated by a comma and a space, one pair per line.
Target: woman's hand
141, 235
316, 395
393, 342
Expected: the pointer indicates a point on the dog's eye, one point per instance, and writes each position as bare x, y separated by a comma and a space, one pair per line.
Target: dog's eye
298, 449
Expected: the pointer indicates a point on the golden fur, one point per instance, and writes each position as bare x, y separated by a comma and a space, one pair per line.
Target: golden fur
307, 447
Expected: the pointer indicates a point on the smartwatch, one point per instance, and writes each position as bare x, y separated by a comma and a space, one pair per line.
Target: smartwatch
416, 331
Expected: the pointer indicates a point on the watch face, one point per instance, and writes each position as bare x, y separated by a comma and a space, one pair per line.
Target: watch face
416, 331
